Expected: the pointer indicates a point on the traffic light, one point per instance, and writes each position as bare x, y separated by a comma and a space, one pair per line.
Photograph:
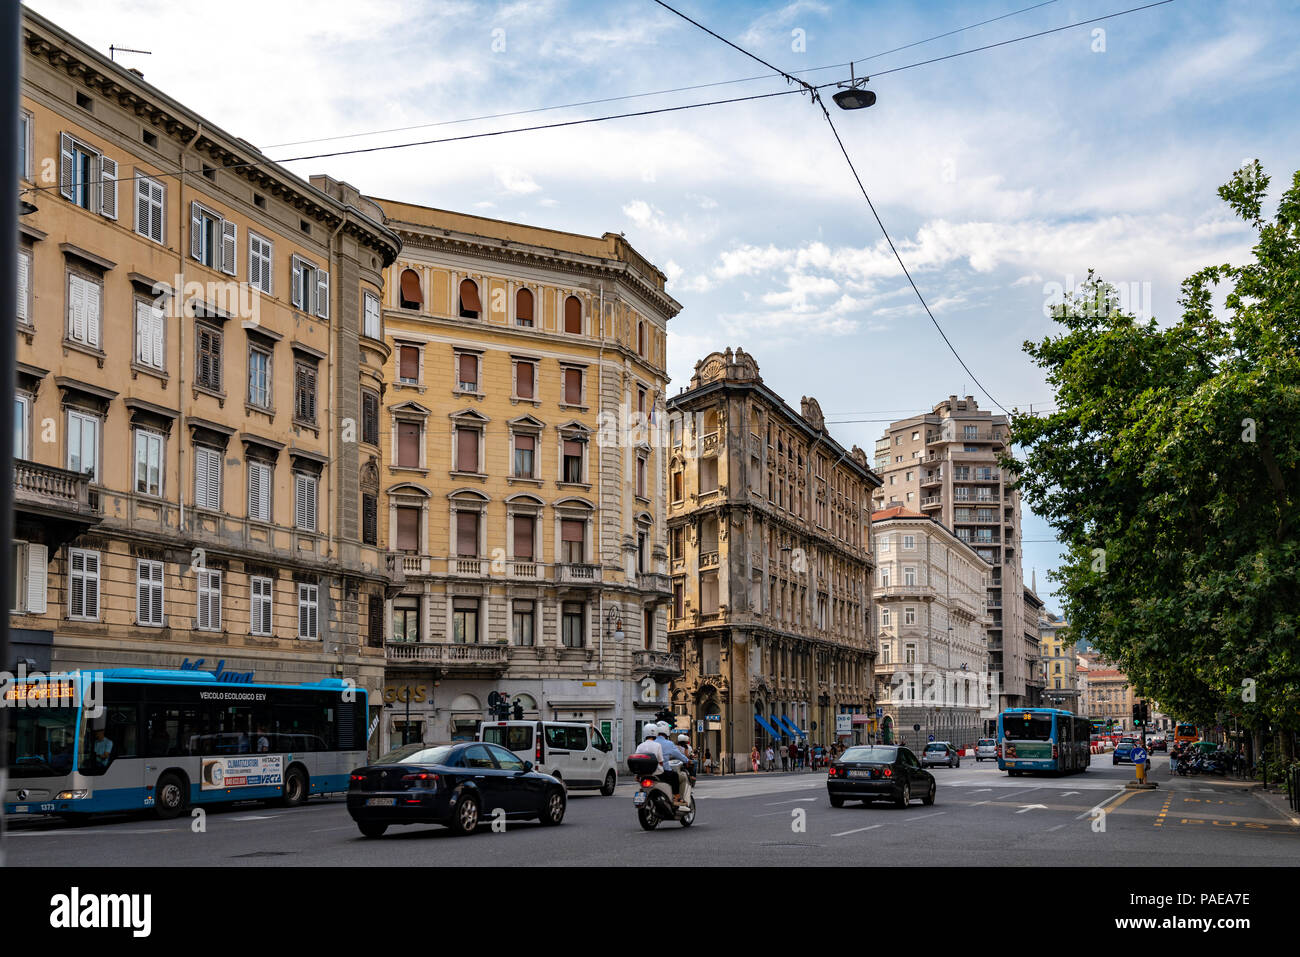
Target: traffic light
1146, 713
519, 711
1137, 714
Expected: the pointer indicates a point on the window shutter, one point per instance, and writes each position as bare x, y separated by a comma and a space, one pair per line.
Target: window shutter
302, 612
466, 450
469, 297
77, 584
156, 336
92, 298
295, 282
409, 363
313, 610
229, 236
571, 529
67, 163
255, 492
159, 204
196, 232
156, 607
37, 578
369, 520
524, 528
467, 534
572, 447
254, 262
525, 443
143, 581
573, 315
24, 282
524, 380
201, 478
371, 329
573, 386
92, 585
408, 529
322, 293
408, 444
468, 370
77, 303
305, 502
524, 306
410, 291
143, 195
214, 479
108, 187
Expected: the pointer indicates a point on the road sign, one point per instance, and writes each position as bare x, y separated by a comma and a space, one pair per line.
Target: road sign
916, 727
880, 712
699, 727
1139, 756
931, 738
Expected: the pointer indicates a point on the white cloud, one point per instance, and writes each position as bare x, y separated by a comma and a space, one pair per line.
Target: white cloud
515, 182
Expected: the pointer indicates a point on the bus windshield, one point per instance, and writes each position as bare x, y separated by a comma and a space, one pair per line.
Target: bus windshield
39, 741
1015, 727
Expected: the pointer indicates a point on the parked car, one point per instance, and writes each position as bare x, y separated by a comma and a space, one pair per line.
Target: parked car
940, 752
1158, 742
575, 754
871, 772
456, 785
986, 748
1124, 752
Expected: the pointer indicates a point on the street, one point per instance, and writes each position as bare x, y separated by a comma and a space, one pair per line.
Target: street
980, 817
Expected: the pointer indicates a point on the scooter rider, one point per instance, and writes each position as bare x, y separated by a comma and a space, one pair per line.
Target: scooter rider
678, 779
650, 745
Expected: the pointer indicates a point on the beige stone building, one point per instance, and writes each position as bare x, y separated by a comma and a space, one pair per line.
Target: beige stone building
945, 464
771, 564
520, 476
931, 621
185, 486
1059, 666
1108, 694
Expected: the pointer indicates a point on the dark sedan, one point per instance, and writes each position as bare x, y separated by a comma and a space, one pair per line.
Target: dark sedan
456, 785
872, 772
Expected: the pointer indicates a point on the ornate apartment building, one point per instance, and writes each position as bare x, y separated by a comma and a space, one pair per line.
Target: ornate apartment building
190, 356
931, 619
771, 564
945, 464
520, 477
1059, 664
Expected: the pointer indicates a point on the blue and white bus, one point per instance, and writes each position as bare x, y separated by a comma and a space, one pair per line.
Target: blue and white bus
1043, 739
126, 739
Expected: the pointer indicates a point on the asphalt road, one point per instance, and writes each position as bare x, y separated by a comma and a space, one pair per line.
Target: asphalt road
980, 817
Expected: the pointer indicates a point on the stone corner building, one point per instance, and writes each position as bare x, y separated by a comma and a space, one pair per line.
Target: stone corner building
771, 566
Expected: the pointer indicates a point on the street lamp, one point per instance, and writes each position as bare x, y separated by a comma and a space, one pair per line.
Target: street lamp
854, 96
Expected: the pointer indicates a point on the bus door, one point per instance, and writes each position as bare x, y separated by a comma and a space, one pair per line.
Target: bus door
110, 749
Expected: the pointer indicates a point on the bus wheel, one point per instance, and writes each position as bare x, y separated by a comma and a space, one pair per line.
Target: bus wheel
295, 788
169, 797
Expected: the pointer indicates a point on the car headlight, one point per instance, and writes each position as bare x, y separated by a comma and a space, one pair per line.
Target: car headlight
72, 795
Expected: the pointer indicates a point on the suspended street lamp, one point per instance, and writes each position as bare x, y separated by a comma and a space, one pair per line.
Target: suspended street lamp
854, 95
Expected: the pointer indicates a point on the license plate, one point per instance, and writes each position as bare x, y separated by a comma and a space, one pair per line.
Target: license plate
21, 809
381, 802
859, 774
639, 800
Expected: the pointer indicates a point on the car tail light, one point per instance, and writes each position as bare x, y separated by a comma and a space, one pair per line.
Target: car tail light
422, 779
357, 778
831, 772
889, 772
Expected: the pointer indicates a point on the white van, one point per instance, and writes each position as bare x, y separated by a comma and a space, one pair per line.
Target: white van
577, 755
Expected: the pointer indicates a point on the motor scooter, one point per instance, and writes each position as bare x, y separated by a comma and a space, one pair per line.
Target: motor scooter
654, 802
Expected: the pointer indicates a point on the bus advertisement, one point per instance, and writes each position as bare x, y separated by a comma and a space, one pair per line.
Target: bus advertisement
1043, 739
139, 739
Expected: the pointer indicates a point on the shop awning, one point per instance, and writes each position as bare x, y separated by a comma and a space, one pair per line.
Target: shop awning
793, 727
767, 727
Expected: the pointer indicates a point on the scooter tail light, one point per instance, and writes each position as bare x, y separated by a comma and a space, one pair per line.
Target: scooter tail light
647, 783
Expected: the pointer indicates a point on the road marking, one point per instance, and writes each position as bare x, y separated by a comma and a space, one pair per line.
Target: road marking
857, 830
1057, 828
1123, 796
1031, 807
795, 801
980, 790
1068, 793
978, 803
256, 817
61, 832
1160, 818
924, 816
322, 830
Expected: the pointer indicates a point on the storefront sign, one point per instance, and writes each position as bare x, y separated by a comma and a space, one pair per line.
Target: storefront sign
417, 694
843, 723
245, 771
232, 677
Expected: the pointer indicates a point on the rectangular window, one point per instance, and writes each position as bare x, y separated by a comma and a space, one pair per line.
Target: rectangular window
83, 584
406, 619
885, 620
909, 542
525, 535
369, 417
311, 288
207, 478
467, 449
259, 377
884, 578
149, 593
573, 386
909, 616
83, 444
22, 415
408, 529
467, 534
525, 377
259, 491
150, 203
523, 623
304, 393
375, 621
207, 359
525, 447
408, 364
87, 177
25, 145
260, 257
679, 593
25, 287
213, 239
84, 310
308, 608
572, 461
209, 600
304, 502
641, 476
573, 541
467, 371
909, 577
464, 621
260, 591
572, 633
408, 444
148, 462
369, 519
371, 326
149, 335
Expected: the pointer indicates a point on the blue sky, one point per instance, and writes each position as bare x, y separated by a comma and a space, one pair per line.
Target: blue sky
1003, 176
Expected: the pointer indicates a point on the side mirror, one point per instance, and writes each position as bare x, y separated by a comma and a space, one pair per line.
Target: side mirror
528, 766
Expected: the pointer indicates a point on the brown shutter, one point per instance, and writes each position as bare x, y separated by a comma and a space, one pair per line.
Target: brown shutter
468, 369
408, 444
524, 380
467, 534
572, 447
525, 443
469, 296
411, 288
408, 529
410, 363
524, 525
572, 315
466, 450
573, 386
524, 306
571, 529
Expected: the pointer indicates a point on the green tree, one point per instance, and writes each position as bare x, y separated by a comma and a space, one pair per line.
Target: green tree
1171, 470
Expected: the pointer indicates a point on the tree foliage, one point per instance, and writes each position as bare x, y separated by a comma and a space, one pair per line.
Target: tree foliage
1171, 471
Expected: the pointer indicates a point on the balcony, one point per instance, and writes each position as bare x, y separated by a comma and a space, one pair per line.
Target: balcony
660, 665
709, 442
467, 567
709, 559
60, 501
578, 574
932, 478
415, 564
932, 501
993, 603
530, 571
655, 583
395, 567
459, 659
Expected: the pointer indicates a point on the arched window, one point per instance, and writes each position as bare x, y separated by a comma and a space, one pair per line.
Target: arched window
412, 297
573, 315
640, 338
469, 304
524, 307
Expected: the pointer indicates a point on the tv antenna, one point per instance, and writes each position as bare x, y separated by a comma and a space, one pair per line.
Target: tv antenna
114, 50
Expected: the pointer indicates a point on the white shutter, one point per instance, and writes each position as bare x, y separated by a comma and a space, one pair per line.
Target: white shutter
302, 611
108, 187
304, 503
196, 232
92, 314
142, 204
67, 164
214, 479
76, 584
254, 262
37, 578
149, 204
143, 584
312, 608
157, 217
77, 303
259, 491
207, 478
295, 291
92, 585
156, 336
143, 334
229, 232
371, 317
24, 282
157, 606
322, 293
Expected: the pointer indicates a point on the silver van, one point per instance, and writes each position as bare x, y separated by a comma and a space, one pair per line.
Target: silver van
577, 755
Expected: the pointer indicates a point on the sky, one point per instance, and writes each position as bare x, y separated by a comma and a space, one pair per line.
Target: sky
1003, 176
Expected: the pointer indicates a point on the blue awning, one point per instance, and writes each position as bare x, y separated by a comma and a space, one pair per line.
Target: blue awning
792, 726
770, 730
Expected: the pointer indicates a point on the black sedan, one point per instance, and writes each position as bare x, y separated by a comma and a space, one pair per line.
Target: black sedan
871, 772
456, 785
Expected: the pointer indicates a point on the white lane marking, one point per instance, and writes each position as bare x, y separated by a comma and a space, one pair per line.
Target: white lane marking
922, 817
978, 803
795, 801
1068, 793
980, 790
322, 830
1032, 807
1025, 791
80, 833
1057, 828
858, 830
256, 817
1100, 804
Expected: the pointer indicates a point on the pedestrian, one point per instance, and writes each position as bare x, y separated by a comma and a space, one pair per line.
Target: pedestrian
708, 761
753, 758
794, 756
771, 759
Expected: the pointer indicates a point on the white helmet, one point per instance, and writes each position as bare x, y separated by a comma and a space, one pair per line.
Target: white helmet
651, 731
683, 739
664, 728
